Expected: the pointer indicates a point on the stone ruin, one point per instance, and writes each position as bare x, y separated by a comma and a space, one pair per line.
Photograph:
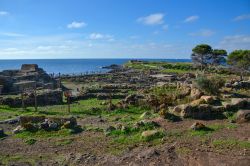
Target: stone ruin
13, 83
28, 77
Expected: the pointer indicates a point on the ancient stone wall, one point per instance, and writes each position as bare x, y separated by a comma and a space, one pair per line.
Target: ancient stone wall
52, 97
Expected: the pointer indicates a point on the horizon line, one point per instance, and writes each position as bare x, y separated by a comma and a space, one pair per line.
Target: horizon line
97, 58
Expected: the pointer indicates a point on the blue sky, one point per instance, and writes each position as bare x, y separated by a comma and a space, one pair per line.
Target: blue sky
36, 29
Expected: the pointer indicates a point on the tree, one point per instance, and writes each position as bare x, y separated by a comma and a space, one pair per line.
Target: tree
201, 55
218, 57
240, 60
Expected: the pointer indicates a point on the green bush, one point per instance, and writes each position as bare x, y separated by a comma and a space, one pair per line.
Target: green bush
210, 85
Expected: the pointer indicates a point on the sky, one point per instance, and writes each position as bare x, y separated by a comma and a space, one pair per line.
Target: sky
165, 29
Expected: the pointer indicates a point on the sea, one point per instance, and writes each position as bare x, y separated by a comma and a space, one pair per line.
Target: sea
73, 66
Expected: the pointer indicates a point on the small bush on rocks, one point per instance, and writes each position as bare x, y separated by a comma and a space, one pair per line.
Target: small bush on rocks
210, 85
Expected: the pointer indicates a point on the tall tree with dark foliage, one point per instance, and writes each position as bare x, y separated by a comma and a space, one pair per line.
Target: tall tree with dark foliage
240, 61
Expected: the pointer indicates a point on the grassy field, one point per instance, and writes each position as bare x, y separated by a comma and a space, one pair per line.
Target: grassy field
164, 67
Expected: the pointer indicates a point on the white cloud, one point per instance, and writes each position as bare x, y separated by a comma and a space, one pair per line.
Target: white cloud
3, 13
242, 17
12, 34
75, 24
191, 19
203, 33
235, 42
153, 19
96, 36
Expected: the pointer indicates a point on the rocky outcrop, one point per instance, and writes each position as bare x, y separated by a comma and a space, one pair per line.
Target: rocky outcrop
133, 99
195, 94
198, 126
238, 85
243, 116
34, 123
150, 134
201, 111
240, 103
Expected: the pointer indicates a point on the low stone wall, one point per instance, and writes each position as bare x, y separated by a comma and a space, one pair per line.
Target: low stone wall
52, 97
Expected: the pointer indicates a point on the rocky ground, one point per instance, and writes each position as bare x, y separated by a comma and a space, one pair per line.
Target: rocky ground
132, 117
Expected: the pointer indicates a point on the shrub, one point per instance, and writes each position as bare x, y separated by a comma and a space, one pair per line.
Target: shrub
210, 85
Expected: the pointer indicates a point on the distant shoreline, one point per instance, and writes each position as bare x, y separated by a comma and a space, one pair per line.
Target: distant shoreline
74, 66
102, 59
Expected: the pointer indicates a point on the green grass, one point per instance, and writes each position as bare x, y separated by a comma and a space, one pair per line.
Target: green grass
93, 128
128, 116
44, 134
201, 132
83, 108
121, 141
30, 141
230, 143
164, 67
177, 71
211, 128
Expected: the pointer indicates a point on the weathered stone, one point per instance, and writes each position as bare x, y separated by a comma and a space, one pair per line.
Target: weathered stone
243, 116
163, 106
102, 96
219, 109
53, 126
195, 93
187, 111
132, 99
29, 77
50, 97
228, 85
120, 105
226, 96
124, 128
10, 121
44, 125
109, 129
69, 124
197, 126
29, 67
208, 99
29, 127
31, 119
60, 121
150, 133
228, 106
177, 110
202, 111
18, 129
142, 123
240, 103
198, 102
145, 115
118, 126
